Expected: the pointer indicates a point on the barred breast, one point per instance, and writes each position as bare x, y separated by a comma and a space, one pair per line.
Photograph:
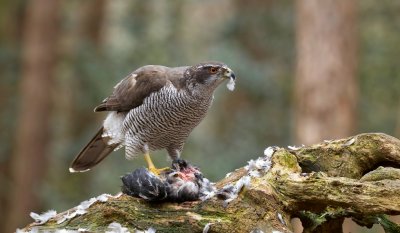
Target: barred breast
163, 121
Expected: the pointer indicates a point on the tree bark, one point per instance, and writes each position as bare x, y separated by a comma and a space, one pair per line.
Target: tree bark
350, 184
32, 136
326, 83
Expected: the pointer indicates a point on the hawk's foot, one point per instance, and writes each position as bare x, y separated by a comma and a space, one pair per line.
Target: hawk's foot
158, 171
152, 168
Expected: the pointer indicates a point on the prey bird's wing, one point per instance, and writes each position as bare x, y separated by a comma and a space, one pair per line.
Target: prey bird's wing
133, 89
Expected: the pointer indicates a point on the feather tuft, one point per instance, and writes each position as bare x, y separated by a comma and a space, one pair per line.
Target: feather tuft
44, 217
231, 84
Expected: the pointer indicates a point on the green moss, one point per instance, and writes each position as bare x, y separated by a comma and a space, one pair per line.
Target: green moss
287, 160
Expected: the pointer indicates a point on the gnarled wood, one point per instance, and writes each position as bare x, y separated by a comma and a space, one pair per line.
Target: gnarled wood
321, 184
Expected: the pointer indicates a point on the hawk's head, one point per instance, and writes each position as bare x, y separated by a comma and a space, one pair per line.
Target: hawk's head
208, 75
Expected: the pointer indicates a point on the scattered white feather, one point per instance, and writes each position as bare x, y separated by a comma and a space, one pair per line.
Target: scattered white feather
231, 84
207, 195
257, 231
66, 231
115, 227
150, 230
21, 231
86, 204
242, 182
269, 151
276, 231
82, 230
117, 195
254, 173
83, 206
67, 216
207, 190
238, 186
295, 147
350, 142
103, 197
79, 210
262, 163
228, 174
256, 168
250, 165
281, 219
207, 227
61, 231
44, 217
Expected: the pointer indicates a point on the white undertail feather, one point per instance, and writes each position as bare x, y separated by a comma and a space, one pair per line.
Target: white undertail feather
113, 128
74, 171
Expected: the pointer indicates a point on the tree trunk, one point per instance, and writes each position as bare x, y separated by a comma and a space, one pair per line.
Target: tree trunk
91, 17
10, 37
326, 84
343, 179
32, 136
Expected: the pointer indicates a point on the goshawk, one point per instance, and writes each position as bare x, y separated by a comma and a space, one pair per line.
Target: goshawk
155, 107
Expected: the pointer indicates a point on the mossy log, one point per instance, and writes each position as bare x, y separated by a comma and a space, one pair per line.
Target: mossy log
321, 184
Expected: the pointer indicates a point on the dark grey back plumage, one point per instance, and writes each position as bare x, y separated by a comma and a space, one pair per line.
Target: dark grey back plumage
133, 89
155, 107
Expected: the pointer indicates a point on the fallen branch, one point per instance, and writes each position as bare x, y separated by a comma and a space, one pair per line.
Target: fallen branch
321, 184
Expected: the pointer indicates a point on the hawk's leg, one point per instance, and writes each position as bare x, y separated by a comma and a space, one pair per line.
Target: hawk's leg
152, 168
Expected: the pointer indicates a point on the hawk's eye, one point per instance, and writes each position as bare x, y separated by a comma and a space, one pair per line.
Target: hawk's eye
213, 70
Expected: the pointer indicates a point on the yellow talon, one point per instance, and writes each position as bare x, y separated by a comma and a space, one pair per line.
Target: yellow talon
158, 171
152, 168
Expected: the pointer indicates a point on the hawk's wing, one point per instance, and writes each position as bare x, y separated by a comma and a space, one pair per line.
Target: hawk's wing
132, 90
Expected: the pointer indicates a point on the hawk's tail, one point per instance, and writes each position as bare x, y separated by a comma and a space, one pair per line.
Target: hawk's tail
93, 153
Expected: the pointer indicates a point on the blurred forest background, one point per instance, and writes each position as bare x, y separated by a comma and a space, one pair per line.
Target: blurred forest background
307, 71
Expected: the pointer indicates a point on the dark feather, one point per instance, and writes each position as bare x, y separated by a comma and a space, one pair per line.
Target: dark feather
168, 186
93, 153
144, 184
133, 89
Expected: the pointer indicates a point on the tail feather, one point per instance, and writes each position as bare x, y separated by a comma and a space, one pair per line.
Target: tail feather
93, 153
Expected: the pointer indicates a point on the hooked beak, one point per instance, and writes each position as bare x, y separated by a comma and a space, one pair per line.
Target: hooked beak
229, 74
232, 77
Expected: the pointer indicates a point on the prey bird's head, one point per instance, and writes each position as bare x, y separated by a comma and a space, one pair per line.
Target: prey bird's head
208, 75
